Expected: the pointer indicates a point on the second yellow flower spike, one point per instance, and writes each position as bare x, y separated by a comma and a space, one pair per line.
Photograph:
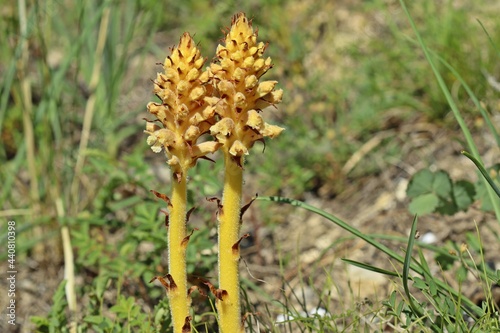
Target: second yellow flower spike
242, 95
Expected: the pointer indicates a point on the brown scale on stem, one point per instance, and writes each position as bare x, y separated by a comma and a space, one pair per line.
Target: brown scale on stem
185, 241
167, 219
236, 246
162, 197
188, 214
218, 293
246, 206
219, 204
169, 286
186, 328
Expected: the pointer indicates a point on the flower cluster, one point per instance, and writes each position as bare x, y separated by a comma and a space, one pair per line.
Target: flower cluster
241, 96
183, 113
226, 99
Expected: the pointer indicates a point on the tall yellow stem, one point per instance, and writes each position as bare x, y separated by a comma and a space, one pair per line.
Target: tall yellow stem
229, 254
179, 299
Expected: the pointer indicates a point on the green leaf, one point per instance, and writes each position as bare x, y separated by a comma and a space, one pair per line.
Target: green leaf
419, 283
100, 283
94, 319
446, 207
461, 274
445, 261
433, 289
424, 204
436, 192
39, 321
441, 184
463, 193
420, 183
124, 306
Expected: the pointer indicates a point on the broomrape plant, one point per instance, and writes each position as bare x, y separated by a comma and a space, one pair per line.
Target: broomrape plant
241, 98
226, 100
183, 116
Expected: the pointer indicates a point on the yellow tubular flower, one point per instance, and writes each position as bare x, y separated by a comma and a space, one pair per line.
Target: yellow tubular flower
240, 101
182, 117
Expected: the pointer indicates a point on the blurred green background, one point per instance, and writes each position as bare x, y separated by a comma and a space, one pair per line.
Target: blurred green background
73, 152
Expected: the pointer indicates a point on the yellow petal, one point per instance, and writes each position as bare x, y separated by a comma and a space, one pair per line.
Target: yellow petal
223, 127
249, 62
151, 140
276, 96
255, 120
199, 63
205, 148
258, 64
226, 87
197, 93
204, 77
265, 88
271, 131
151, 127
182, 86
238, 149
192, 133
226, 64
251, 81
157, 147
158, 110
170, 74
165, 136
239, 74
240, 100
174, 162
192, 74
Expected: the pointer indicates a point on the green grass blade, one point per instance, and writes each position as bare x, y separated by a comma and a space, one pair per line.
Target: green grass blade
337, 221
489, 38
451, 103
406, 268
473, 309
370, 267
483, 171
469, 91
472, 96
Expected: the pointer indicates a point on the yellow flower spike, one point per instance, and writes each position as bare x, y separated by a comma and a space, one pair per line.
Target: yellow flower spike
183, 89
241, 98
185, 113
241, 64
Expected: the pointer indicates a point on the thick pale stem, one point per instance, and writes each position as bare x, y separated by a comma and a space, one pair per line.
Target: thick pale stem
179, 299
229, 229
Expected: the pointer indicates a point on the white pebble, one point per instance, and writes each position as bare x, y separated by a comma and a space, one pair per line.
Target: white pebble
428, 238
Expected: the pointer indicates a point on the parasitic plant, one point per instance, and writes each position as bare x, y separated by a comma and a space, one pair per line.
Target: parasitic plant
226, 100
181, 118
241, 97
